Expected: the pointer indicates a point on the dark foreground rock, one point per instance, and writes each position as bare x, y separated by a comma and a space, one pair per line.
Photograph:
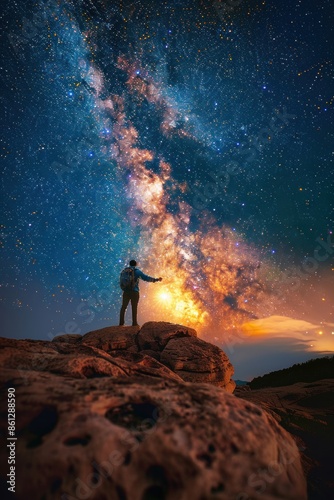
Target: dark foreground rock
96, 419
144, 438
306, 410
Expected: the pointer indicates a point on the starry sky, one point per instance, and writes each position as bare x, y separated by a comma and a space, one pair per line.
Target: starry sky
193, 136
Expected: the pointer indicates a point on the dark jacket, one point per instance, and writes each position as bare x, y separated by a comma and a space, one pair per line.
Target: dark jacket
140, 275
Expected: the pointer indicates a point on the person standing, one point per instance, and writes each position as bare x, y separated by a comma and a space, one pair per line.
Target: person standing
129, 282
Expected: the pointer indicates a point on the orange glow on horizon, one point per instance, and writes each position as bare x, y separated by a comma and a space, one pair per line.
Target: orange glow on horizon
274, 327
278, 325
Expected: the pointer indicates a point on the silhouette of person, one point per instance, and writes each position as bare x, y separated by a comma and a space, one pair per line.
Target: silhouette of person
133, 295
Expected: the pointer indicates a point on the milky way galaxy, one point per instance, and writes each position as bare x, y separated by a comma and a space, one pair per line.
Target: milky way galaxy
195, 137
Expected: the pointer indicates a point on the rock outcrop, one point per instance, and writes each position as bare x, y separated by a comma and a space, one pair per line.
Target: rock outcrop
306, 410
175, 346
77, 360
97, 418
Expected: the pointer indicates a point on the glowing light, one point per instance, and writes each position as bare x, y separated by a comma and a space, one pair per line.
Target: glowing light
178, 305
165, 297
321, 332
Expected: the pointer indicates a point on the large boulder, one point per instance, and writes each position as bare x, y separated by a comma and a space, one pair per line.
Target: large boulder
156, 335
197, 361
142, 437
175, 346
113, 338
76, 360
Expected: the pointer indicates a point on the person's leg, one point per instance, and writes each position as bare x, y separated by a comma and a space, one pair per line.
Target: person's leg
134, 305
126, 299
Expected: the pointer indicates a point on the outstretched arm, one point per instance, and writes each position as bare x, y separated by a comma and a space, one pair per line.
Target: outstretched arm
145, 277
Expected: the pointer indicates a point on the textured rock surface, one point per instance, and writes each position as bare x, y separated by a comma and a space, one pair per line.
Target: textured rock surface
113, 338
143, 437
72, 338
306, 410
75, 360
198, 361
117, 351
155, 336
175, 346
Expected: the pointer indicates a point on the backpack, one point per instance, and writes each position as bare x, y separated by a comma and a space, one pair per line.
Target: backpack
127, 279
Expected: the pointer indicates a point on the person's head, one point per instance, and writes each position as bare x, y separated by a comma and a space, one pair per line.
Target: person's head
133, 263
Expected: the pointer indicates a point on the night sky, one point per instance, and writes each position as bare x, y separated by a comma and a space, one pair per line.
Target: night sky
193, 136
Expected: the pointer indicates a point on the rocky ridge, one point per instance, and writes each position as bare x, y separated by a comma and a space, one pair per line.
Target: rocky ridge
139, 414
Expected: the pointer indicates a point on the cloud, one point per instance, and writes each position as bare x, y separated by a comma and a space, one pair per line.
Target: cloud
279, 325
277, 342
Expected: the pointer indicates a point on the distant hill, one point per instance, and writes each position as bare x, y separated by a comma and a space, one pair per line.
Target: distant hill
310, 371
241, 382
